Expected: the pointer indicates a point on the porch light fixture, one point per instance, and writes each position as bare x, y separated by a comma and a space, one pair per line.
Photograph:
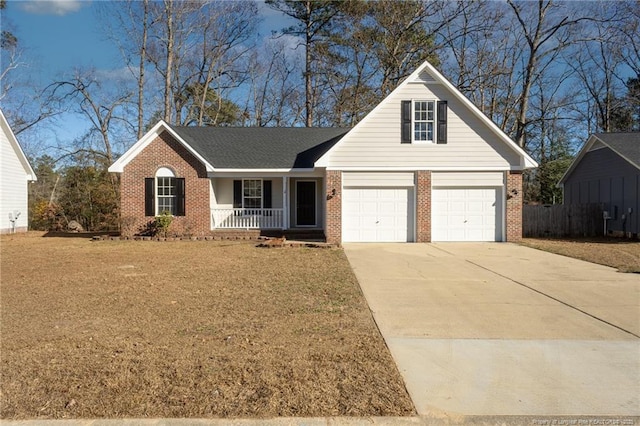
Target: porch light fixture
332, 194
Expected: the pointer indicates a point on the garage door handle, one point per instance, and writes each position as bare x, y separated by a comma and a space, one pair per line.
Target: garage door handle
377, 222
465, 221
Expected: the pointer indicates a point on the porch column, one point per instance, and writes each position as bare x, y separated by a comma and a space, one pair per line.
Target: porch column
285, 202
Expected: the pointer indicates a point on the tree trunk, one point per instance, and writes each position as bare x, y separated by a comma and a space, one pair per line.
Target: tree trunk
307, 71
168, 7
143, 58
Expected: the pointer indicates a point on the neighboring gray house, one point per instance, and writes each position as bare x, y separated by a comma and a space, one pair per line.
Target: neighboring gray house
607, 170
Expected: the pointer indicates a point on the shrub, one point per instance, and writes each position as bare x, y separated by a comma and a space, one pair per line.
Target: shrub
161, 223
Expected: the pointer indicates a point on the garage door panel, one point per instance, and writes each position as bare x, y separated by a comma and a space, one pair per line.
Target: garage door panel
376, 214
466, 214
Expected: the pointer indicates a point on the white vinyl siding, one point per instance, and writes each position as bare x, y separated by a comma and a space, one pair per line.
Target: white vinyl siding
471, 143
13, 187
391, 179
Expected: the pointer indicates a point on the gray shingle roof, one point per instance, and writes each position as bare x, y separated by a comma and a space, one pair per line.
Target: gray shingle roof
627, 145
261, 147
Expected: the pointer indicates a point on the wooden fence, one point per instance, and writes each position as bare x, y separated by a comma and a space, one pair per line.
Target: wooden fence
563, 220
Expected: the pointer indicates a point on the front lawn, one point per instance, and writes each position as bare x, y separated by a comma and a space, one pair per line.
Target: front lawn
187, 329
615, 252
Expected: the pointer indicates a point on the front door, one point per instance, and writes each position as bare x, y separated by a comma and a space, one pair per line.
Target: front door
305, 203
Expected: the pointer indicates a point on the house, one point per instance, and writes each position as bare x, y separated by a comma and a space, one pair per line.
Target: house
15, 175
424, 165
607, 171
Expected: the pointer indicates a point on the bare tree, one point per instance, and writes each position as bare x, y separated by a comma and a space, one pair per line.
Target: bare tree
596, 62
226, 31
547, 30
314, 19
275, 97
628, 35
481, 40
84, 93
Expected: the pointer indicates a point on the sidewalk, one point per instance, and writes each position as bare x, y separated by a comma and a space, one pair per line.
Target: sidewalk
347, 421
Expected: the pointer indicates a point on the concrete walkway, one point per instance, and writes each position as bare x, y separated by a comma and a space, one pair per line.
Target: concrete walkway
498, 329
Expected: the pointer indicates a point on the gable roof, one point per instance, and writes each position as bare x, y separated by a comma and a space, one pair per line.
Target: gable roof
244, 148
426, 73
261, 147
625, 144
13, 141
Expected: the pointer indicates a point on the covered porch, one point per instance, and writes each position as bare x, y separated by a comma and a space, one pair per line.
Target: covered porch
267, 202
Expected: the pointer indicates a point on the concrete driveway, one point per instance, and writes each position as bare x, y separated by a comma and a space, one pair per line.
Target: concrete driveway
500, 329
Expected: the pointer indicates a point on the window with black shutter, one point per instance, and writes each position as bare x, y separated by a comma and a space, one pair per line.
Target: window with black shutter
424, 121
164, 193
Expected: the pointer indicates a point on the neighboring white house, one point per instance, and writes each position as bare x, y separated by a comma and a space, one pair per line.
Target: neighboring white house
15, 175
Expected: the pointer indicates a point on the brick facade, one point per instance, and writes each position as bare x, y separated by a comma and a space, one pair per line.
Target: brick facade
333, 229
514, 206
423, 206
165, 151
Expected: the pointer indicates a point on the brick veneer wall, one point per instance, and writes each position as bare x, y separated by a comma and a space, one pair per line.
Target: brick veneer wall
514, 206
333, 230
423, 206
165, 151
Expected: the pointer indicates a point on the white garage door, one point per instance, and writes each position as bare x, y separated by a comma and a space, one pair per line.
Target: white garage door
466, 214
376, 215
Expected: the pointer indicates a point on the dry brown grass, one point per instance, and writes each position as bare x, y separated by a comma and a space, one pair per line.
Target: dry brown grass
617, 253
187, 329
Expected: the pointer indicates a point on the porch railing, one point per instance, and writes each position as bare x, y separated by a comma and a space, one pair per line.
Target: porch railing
247, 218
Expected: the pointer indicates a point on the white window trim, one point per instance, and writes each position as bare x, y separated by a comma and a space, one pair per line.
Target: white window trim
164, 172
261, 193
434, 121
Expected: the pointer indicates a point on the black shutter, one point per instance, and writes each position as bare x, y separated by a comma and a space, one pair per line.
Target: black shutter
405, 113
442, 122
149, 197
180, 205
266, 194
237, 194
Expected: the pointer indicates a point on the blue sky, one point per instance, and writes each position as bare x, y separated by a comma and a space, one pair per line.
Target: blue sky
57, 36
63, 33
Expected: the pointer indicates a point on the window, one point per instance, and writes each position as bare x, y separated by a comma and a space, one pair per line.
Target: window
164, 193
252, 194
166, 187
424, 121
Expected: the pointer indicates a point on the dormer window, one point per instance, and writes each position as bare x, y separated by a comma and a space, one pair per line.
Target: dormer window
424, 121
